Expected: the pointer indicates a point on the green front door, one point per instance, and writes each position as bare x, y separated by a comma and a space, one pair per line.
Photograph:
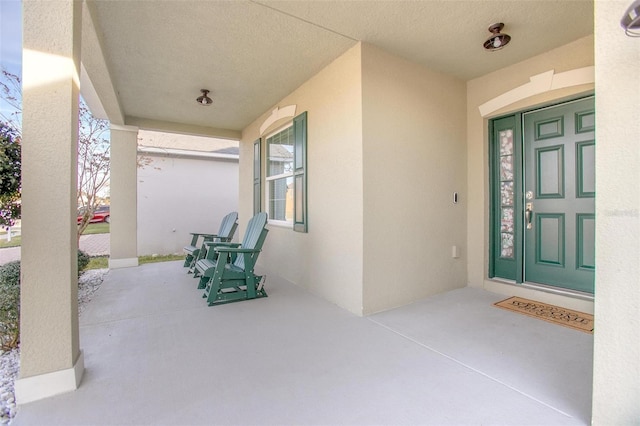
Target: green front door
559, 195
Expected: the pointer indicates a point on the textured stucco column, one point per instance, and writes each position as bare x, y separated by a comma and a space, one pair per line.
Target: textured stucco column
124, 194
616, 369
50, 358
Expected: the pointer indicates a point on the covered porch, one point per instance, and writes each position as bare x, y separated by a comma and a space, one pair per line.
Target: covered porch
156, 354
397, 130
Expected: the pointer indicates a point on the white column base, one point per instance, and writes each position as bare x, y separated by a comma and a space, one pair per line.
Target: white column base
46, 385
123, 263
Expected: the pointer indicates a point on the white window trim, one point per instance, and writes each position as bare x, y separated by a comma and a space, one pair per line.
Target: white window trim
283, 223
277, 114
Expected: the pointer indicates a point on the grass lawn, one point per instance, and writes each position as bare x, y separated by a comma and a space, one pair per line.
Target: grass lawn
161, 258
103, 261
15, 241
93, 228
97, 228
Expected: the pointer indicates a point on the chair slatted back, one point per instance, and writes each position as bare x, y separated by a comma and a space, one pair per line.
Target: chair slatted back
228, 226
253, 237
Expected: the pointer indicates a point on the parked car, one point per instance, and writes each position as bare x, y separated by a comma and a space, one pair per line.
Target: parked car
101, 214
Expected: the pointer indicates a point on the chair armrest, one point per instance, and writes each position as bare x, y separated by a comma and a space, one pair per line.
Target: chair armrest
220, 243
211, 254
195, 236
235, 250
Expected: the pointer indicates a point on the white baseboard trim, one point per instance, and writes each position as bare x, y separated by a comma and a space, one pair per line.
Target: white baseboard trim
123, 263
46, 385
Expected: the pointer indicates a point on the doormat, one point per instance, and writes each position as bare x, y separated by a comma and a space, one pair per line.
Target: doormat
551, 313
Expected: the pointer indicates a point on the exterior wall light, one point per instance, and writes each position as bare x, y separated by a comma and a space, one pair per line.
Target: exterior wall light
497, 40
631, 20
204, 100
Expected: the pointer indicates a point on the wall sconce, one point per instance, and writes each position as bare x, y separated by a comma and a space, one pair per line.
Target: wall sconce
204, 100
497, 40
631, 20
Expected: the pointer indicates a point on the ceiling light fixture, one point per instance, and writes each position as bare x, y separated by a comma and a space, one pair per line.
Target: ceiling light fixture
497, 40
631, 20
204, 100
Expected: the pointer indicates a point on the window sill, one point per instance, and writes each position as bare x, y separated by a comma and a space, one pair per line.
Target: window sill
280, 224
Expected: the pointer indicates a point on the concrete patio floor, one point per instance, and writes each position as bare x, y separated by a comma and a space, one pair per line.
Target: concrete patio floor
156, 354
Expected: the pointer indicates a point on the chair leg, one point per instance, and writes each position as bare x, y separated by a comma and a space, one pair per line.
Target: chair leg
251, 281
192, 261
213, 287
202, 283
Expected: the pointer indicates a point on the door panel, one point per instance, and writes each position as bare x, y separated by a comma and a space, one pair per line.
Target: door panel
549, 237
559, 185
586, 239
550, 172
586, 152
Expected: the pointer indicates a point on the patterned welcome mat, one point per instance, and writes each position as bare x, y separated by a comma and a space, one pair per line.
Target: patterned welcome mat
555, 314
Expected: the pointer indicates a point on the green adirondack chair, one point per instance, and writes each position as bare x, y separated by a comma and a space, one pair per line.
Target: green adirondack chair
230, 277
196, 251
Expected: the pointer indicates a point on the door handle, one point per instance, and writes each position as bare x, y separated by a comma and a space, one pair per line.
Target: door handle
528, 215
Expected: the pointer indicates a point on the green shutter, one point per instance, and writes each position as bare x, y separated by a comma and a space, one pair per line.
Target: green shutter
299, 173
256, 177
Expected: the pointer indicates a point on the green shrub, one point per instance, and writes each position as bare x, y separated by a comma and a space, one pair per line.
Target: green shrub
10, 300
9, 305
10, 273
83, 261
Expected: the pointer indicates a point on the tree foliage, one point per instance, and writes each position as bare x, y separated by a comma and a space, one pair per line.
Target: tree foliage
93, 163
11, 94
93, 153
10, 175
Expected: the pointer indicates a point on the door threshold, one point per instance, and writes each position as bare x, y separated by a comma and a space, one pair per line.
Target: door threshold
559, 291
547, 289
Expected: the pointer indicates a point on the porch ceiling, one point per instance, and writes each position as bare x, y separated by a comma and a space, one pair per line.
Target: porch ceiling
251, 54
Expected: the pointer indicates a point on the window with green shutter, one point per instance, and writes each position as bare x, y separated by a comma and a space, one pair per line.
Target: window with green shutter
286, 181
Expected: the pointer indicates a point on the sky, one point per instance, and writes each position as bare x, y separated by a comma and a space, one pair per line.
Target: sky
11, 35
10, 39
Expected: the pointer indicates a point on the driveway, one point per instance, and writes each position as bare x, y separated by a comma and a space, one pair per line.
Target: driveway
93, 245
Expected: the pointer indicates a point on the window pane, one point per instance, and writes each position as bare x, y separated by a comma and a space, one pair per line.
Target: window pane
506, 248
281, 199
506, 221
280, 153
506, 142
506, 193
506, 168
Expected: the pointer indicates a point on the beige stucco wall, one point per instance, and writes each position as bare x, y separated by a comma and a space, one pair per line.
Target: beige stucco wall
328, 259
575, 55
414, 153
178, 195
616, 384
